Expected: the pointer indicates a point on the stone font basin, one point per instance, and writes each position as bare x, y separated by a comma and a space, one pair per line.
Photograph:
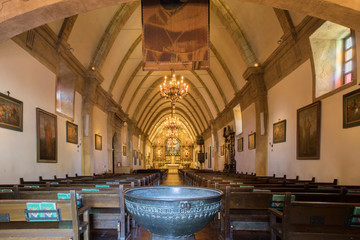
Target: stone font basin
172, 212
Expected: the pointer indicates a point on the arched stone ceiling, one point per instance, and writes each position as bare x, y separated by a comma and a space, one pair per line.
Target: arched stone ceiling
106, 36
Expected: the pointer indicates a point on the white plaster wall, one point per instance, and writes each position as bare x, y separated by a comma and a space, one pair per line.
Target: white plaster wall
100, 128
33, 84
245, 161
339, 155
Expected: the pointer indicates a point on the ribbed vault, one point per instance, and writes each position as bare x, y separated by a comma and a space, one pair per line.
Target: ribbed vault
105, 37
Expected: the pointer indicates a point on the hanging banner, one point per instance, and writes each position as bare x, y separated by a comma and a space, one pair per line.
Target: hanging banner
175, 34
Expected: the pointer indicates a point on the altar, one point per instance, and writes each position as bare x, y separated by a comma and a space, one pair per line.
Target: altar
173, 168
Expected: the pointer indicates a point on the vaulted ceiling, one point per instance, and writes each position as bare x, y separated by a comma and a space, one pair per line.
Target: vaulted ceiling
108, 40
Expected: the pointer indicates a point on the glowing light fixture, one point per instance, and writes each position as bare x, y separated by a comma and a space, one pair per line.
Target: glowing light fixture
173, 89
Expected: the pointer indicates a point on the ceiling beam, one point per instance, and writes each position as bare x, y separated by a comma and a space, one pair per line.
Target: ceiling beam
128, 82
164, 112
161, 105
157, 83
224, 67
286, 22
123, 62
207, 90
65, 30
225, 15
112, 31
145, 116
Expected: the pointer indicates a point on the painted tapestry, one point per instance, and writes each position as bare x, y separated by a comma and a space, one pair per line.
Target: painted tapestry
175, 34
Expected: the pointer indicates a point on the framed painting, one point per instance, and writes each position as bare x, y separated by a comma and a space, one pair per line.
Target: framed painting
351, 109
124, 150
46, 136
11, 113
71, 132
252, 141
279, 132
98, 142
240, 145
209, 161
308, 131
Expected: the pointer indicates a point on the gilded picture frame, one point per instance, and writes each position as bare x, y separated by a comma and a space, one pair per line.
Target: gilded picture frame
11, 113
252, 141
351, 109
308, 131
46, 136
124, 150
240, 145
279, 132
71, 132
98, 142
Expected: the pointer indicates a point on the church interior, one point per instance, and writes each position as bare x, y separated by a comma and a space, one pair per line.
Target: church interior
270, 95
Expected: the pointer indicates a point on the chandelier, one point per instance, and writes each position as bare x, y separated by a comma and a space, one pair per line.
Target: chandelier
173, 89
172, 134
172, 123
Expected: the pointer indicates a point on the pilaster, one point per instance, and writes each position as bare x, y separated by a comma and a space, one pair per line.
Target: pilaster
89, 100
215, 147
255, 76
131, 127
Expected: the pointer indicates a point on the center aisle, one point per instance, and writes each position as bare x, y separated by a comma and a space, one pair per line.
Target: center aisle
173, 179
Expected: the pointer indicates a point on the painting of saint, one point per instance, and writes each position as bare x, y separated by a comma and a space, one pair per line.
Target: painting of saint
71, 132
351, 109
308, 131
46, 136
279, 132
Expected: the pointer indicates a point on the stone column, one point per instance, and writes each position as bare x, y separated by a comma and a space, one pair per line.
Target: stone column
215, 147
255, 76
89, 100
143, 163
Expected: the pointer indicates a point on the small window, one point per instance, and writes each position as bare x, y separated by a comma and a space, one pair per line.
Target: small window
333, 49
348, 59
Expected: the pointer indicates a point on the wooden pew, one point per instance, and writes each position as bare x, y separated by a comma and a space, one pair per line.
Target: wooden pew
72, 222
244, 211
249, 210
106, 206
108, 211
301, 220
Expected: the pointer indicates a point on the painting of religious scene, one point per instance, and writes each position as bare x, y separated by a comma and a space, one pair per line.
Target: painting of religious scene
308, 131
46, 136
351, 109
279, 132
98, 142
252, 141
11, 113
172, 146
71, 132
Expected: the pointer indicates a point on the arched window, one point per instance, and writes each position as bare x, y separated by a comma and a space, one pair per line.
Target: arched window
238, 119
333, 50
